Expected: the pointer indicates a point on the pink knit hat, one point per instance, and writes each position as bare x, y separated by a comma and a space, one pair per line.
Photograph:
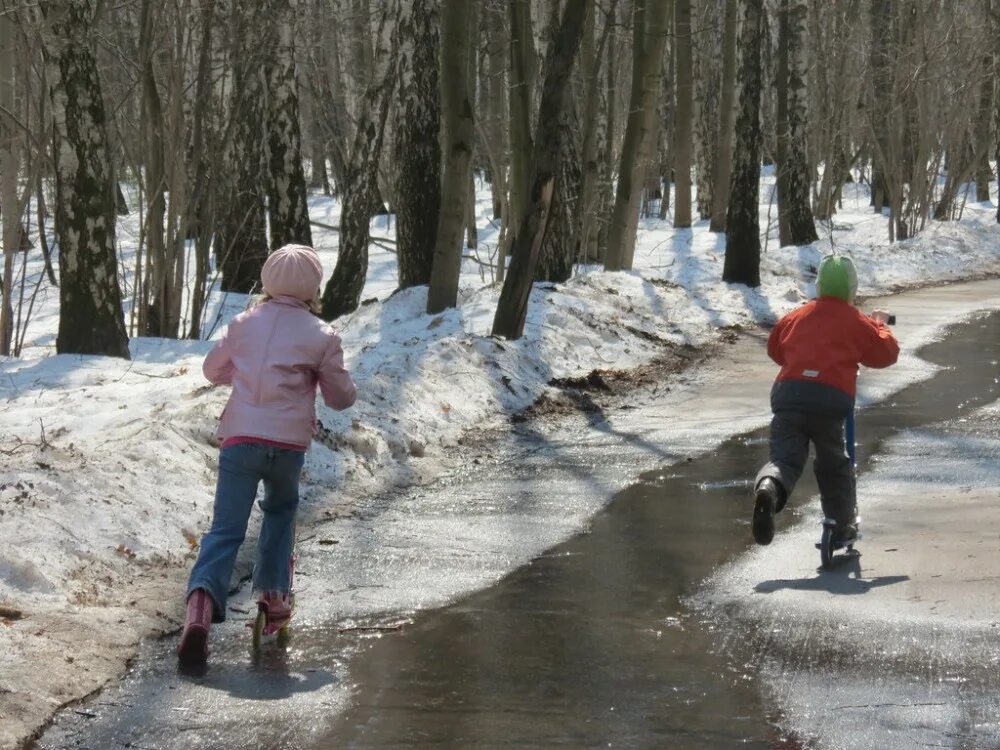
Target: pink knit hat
292, 271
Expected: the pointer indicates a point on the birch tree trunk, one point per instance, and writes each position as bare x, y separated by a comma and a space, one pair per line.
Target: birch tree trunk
458, 19
723, 167
512, 308
795, 218
241, 238
418, 149
796, 223
742, 263
287, 207
650, 23
684, 114
559, 248
90, 306
342, 294
608, 155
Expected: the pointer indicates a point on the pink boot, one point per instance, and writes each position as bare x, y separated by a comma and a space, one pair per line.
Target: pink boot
193, 649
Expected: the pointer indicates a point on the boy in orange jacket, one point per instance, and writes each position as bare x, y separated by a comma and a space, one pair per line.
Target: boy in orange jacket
819, 347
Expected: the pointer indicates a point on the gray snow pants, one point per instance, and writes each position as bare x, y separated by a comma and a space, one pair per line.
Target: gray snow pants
791, 433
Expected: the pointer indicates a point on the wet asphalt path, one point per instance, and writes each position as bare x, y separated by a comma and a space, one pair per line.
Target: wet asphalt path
593, 644
590, 644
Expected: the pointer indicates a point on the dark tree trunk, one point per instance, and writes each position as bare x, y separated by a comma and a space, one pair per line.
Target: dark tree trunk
287, 207
90, 305
742, 264
522, 88
513, 305
241, 238
458, 43
606, 198
881, 72
418, 150
795, 219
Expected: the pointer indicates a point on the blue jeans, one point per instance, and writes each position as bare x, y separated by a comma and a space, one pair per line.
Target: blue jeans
241, 469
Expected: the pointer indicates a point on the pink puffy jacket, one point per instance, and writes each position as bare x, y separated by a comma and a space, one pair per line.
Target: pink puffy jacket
274, 356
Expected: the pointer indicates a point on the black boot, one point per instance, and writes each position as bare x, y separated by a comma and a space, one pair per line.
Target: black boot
766, 499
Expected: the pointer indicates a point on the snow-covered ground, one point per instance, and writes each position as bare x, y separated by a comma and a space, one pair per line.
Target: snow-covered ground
108, 466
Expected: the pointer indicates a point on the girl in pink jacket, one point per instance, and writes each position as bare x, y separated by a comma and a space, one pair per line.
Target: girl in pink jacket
274, 356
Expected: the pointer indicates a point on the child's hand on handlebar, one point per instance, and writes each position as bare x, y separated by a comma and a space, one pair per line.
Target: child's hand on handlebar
881, 316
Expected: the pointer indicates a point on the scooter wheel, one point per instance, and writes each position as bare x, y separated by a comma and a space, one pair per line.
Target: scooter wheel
258, 630
826, 547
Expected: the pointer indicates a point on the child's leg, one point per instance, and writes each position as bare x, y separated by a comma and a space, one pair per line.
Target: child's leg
789, 449
834, 471
239, 475
277, 533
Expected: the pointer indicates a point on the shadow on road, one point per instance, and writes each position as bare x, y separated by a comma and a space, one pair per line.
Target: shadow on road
269, 679
843, 578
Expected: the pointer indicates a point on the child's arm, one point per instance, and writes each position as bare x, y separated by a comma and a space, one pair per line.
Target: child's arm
881, 348
334, 381
218, 366
774, 350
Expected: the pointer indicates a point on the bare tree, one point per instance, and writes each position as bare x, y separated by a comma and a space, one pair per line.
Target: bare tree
418, 151
559, 248
522, 93
795, 219
982, 127
362, 198
201, 205
649, 33
288, 209
9, 170
708, 40
458, 42
90, 314
742, 264
722, 169
684, 115
241, 238
513, 305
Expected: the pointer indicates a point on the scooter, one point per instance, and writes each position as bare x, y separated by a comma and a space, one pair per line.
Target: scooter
826, 544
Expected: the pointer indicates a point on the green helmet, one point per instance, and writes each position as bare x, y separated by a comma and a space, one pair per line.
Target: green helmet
837, 277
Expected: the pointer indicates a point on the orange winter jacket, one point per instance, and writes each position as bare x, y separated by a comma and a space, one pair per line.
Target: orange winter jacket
825, 340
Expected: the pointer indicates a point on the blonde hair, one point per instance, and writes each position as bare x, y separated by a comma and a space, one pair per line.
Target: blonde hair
315, 305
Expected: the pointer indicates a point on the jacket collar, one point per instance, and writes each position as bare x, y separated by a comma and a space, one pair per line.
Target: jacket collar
290, 301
